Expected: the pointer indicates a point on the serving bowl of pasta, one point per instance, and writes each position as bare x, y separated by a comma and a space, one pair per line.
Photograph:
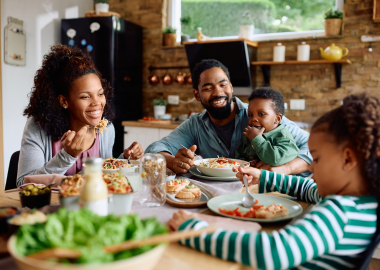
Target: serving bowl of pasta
219, 167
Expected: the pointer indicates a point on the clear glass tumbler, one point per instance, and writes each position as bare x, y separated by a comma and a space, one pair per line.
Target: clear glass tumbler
133, 175
153, 174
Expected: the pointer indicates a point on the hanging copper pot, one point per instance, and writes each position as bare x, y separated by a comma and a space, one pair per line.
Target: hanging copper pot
153, 79
179, 78
188, 79
167, 79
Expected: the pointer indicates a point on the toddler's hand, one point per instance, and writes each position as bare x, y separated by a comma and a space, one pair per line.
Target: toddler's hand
252, 132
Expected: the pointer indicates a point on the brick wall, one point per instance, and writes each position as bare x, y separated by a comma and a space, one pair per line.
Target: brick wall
314, 83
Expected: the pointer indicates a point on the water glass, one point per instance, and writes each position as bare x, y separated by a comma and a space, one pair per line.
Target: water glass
134, 176
153, 174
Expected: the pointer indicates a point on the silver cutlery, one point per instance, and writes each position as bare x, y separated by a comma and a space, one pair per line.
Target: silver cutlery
248, 200
197, 157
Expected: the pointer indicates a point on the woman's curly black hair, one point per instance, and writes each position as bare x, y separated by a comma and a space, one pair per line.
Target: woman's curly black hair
357, 121
60, 68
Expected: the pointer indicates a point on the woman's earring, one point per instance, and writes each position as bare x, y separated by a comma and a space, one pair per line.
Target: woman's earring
65, 107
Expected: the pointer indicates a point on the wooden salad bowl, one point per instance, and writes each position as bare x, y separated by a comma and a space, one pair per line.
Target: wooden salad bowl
145, 261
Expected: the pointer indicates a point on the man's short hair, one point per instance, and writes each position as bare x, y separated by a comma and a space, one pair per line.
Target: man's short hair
204, 65
272, 94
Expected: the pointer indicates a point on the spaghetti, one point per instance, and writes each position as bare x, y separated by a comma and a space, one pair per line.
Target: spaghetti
221, 162
101, 125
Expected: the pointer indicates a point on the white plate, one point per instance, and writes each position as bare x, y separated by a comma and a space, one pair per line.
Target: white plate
231, 201
217, 172
194, 171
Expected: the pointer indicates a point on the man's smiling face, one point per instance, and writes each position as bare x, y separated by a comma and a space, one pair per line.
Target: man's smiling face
215, 93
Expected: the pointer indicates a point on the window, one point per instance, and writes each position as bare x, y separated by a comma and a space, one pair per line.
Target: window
271, 18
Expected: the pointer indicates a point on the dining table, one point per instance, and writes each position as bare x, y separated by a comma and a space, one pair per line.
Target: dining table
175, 256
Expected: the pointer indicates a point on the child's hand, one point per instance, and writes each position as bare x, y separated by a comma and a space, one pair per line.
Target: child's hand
253, 163
253, 175
252, 132
178, 218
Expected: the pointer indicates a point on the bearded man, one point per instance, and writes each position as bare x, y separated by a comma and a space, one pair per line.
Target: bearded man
218, 130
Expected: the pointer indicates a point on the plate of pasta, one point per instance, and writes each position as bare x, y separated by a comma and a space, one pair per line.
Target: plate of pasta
219, 167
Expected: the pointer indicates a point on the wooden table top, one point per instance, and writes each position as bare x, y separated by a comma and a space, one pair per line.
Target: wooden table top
176, 256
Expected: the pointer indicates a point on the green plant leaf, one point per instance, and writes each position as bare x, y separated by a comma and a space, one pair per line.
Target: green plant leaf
159, 102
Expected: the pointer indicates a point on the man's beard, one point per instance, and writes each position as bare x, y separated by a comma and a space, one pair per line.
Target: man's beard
218, 113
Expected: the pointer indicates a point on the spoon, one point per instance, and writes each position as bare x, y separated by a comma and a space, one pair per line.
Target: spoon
248, 200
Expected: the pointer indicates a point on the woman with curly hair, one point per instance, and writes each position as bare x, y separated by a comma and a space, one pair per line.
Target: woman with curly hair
345, 145
69, 97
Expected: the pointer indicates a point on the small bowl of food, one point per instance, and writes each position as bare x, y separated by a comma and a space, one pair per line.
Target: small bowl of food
111, 165
31, 218
35, 196
5, 214
120, 192
219, 167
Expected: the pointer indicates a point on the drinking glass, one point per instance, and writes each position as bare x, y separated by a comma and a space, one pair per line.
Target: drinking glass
153, 174
133, 175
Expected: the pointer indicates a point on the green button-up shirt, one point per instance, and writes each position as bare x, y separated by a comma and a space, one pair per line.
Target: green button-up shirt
275, 147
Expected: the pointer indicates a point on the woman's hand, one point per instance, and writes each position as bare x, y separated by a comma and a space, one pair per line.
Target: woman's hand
253, 175
73, 142
135, 151
178, 218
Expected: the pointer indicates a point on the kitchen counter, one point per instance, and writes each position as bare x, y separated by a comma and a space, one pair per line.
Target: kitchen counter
152, 124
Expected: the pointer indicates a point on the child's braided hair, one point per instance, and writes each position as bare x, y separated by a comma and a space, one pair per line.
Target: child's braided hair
357, 121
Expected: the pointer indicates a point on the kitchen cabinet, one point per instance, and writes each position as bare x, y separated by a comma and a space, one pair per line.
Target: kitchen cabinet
376, 10
144, 135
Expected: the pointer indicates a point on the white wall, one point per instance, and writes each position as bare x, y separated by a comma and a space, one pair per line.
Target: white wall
42, 27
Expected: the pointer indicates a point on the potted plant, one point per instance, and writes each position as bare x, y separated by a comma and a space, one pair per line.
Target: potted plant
170, 36
159, 107
185, 21
246, 28
333, 22
101, 6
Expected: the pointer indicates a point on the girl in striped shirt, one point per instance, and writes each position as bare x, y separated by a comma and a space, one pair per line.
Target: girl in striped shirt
345, 145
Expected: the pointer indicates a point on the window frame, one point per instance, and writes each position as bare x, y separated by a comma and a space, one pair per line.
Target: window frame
174, 16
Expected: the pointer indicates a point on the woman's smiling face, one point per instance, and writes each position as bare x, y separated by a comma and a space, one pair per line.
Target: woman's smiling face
86, 101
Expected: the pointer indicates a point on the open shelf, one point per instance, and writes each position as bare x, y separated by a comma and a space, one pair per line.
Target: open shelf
249, 42
294, 62
265, 66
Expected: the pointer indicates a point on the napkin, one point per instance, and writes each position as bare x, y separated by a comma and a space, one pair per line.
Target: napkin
218, 188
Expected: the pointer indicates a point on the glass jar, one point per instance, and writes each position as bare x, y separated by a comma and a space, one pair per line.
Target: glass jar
94, 192
153, 174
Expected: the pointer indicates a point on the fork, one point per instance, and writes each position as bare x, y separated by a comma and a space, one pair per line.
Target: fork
197, 156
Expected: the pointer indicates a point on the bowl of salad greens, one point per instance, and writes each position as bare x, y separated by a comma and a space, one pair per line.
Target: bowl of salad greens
87, 232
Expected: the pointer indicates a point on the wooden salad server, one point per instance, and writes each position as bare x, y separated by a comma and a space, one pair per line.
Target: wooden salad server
156, 239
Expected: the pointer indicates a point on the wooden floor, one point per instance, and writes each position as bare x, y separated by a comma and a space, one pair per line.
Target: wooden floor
374, 265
